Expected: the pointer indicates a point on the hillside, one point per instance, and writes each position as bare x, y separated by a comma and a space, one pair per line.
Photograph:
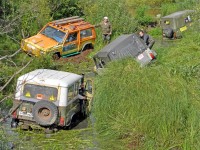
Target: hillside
155, 107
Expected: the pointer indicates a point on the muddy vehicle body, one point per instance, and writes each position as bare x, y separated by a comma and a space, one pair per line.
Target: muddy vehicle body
174, 24
49, 98
64, 37
129, 45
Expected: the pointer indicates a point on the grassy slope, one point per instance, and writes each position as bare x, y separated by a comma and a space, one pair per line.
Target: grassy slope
156, 107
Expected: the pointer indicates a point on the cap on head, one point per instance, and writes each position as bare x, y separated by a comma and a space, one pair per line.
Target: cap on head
105, 18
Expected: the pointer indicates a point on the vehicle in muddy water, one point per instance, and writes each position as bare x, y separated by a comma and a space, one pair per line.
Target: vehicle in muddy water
128, 45
174, 24
61, 38
50, 99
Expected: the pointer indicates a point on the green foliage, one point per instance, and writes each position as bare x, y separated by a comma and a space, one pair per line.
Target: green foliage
155, 107
116, 11
8, 46
167, 8
155, 32
153, 3
35, 14
150, 102
37, 139
142, 17
64, 8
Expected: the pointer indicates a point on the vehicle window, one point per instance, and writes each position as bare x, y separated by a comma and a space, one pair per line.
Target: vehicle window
86, 33
77, 88
70, 93
72, 37
69, 47
40, 92
167, 22
88, 86
53, 33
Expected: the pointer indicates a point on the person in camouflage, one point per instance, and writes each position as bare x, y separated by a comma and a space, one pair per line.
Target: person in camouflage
106, 28
149, 41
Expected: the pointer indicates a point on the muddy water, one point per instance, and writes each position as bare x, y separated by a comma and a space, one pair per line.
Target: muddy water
80, 137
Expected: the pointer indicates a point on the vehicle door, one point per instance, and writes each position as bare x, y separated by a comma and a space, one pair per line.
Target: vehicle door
71, 44
89, 91
87, 36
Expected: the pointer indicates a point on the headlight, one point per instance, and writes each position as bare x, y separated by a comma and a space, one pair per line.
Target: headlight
31, 46
42, 52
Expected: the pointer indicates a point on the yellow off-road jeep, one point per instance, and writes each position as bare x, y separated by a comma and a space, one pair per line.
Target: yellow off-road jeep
64, 37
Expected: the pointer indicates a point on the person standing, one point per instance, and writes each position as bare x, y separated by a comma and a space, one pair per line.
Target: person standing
149, 41
106, 28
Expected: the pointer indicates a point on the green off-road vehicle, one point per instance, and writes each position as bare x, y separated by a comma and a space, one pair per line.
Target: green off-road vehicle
174, 24
50, 99
127, 45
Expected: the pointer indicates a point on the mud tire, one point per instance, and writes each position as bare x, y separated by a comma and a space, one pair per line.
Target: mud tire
14, 123
45, 113
56, 56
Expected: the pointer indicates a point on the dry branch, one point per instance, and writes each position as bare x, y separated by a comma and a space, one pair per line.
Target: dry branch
15, 75
10, 56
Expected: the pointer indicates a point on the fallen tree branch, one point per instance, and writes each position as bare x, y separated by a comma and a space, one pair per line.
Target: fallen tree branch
8, 96
10, 56
15, 75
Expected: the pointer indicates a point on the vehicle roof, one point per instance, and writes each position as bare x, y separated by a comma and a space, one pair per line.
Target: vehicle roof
50, 77
128, 44
178, 14
70, 24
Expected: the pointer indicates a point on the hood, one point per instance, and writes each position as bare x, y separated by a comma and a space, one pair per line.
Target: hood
42, 41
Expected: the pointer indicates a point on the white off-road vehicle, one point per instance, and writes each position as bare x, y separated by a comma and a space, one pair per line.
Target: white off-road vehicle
50, 98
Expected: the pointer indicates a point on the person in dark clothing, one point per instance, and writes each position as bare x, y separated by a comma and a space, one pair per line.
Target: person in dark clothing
149, 41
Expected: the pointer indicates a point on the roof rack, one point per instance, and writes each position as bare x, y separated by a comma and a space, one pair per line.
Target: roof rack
64, 19
68, 20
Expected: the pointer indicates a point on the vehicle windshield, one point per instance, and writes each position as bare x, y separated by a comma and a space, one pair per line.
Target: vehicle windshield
40, 92
53, 33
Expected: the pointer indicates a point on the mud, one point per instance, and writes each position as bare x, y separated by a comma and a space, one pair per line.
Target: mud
82, 57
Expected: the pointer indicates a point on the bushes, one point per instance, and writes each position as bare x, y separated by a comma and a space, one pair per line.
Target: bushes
142, 17
116, 11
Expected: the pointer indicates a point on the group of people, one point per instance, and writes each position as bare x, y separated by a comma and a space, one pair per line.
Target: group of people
106, 28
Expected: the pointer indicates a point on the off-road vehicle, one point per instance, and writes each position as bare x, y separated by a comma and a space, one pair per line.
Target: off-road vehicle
64, 37
128, 45
174, 24
50, 98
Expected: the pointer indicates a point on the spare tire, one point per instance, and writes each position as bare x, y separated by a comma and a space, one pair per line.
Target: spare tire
169, 33
45, 113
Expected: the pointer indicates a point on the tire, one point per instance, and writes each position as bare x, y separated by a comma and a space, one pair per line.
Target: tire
56, 56
14, 123
45, 113
169, 33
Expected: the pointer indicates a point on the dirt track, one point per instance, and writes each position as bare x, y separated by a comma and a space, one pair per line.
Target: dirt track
82, 57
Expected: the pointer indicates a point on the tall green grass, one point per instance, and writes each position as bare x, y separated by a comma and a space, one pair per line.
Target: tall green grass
150, 102
155, 107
